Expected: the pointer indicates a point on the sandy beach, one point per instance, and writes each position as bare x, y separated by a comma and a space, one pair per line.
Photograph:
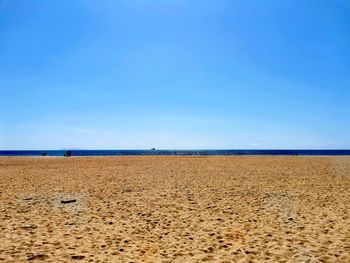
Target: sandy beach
175, 209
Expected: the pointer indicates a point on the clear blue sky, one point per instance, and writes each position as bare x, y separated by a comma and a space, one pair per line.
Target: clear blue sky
174, 74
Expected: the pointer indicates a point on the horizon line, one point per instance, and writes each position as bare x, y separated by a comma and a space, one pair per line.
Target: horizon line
186, 149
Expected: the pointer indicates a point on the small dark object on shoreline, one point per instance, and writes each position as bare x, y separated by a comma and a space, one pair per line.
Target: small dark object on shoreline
68, 201
68, 154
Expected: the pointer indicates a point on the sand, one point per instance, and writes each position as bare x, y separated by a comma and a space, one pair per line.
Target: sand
175, 209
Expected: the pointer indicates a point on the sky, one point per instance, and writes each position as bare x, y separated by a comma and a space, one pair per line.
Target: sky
200, 74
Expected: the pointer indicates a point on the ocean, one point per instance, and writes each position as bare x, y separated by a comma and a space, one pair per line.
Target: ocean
170, 152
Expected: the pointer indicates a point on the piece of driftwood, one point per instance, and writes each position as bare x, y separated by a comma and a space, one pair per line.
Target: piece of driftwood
67, 201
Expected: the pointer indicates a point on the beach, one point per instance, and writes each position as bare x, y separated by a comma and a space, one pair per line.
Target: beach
175, 209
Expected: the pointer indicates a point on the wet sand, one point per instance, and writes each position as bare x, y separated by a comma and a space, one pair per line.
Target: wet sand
175, 209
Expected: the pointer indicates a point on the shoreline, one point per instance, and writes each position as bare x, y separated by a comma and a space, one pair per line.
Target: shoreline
166, 155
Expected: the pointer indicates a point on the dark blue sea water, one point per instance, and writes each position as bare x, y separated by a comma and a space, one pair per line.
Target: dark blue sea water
171, 152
